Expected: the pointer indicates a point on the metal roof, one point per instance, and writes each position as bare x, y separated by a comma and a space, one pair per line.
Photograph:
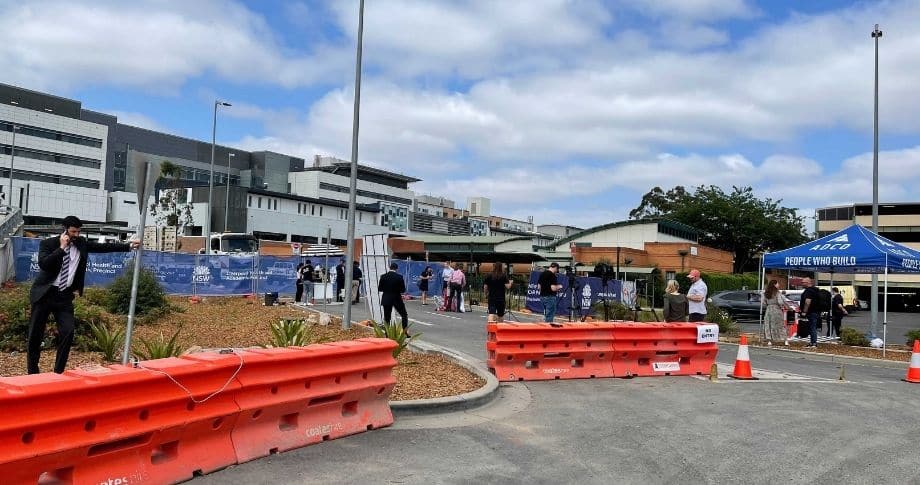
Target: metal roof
613, 225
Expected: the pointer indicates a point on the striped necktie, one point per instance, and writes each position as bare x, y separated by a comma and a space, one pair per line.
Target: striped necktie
65, 270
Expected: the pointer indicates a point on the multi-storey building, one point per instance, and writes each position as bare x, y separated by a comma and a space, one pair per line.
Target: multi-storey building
899, 222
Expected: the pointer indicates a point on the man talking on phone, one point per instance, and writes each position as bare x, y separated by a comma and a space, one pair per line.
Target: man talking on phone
62, 263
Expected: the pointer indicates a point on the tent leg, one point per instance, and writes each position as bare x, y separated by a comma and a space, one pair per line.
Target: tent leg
885, 314
763, 273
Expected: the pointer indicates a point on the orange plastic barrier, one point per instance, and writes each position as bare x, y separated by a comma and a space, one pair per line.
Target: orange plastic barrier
655, 349
296, 396
539, 351
118, 423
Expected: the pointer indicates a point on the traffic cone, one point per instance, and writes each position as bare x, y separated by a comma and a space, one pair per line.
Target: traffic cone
913, 372
743, 362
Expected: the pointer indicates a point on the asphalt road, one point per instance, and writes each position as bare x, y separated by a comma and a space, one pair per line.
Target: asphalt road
798, 424
898, 324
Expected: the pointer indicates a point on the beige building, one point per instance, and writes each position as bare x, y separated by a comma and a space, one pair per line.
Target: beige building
899, 222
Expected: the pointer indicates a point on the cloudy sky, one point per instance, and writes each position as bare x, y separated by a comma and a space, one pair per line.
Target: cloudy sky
568, 111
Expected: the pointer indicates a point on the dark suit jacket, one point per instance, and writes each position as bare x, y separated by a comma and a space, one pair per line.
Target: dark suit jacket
392, 286
51, 256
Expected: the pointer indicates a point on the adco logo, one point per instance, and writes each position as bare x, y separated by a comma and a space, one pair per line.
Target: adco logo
839, 243
202, 274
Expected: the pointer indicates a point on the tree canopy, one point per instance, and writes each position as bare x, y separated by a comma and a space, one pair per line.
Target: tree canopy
737, 221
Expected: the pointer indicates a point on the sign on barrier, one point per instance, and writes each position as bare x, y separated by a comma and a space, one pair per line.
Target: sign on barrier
588, 292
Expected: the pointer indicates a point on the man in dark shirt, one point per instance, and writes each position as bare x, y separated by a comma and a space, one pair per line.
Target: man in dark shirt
548, 289
356, 276
391, 287
339, 280
808, 305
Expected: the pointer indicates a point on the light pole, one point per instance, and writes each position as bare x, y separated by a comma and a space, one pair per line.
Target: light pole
9, 202
207, 229
876, 34
353, 185
227, 201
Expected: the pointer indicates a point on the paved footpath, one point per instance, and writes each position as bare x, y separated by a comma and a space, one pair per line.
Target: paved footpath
799, 424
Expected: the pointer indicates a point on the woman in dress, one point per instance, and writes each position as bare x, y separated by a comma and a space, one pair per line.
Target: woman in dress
774, 315
495, 285
423, 280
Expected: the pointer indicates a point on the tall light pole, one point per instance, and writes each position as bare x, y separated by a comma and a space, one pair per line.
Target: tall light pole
227, 201
353, 185
876, 34
207, 228
12, 158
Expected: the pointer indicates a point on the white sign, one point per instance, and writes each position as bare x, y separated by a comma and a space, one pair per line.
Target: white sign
295, 248
665, 366
707, 334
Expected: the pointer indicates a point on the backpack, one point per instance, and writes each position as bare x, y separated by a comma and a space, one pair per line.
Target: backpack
824, 300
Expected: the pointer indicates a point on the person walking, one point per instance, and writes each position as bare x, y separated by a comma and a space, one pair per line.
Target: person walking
424, 280
457, 283
697, 297
62, 270
340, 281
774, 315
548, 289
676, 306
808, 306
356, 276
837, 312
494, 286
391, 287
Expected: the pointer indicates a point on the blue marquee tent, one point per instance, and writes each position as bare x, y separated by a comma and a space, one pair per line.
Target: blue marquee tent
854, 249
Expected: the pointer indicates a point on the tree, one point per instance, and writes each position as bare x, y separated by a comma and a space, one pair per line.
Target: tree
737, 222
171, 207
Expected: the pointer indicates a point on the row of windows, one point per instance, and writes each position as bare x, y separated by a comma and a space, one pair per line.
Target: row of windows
50, 178
50, 157
365, 193
302, 208
836, 214
52, 134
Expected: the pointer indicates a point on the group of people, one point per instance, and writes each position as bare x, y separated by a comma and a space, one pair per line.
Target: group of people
686, 308
776, 308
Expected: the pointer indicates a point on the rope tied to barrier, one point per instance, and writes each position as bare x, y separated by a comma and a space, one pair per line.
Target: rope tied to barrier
138, 365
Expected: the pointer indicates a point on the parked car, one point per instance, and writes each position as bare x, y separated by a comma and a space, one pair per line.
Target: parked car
744, 303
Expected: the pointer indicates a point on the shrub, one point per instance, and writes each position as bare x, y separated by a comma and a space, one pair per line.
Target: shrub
851, 336
107, 340
86, 315
719, 282
396, 333
727, 326
96, 296
158, 347
911, 336
14, 317
289, 332
150, 295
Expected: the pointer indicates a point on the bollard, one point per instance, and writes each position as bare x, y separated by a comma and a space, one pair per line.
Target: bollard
714, 373
843, 373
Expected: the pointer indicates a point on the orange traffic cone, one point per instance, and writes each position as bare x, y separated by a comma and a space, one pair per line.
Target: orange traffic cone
743, 362
913, 372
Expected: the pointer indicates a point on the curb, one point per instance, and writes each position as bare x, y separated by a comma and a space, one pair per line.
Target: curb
437, 405
834, 358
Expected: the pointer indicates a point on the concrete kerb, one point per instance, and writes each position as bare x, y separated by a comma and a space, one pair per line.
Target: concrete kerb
832, 358
469, 400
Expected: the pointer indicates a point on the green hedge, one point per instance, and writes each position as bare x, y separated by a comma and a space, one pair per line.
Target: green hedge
716, 282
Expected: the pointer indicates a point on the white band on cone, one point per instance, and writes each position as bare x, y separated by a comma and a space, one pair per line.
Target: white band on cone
743, 353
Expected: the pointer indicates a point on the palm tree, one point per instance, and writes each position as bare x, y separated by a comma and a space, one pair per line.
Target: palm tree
171, 207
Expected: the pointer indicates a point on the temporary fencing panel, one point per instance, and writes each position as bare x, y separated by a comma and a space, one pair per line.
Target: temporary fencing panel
375, 262
294, 397
540, 351
412, 271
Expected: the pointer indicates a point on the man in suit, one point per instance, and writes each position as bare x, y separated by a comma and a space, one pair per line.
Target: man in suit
62, 263
391, 287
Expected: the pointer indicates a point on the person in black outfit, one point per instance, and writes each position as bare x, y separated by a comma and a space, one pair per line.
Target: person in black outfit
837, 312
548, 289
299, 284
339, 280
808, 306
356, 276
62, 263
495, 285
391, 287
423, 281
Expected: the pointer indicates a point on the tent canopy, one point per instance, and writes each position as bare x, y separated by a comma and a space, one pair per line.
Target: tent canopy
851, 250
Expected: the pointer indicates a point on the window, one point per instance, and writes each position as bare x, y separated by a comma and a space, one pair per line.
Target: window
259, 203
51, 157
321, 211
313, 210
250, 201
276, 204
50, 178
669, 275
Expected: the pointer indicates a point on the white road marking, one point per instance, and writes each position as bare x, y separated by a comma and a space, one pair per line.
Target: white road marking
763, 375
443, 315
421, 322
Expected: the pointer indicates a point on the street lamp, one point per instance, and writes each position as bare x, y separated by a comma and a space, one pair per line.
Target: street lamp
353, 180
12, 158
876, 34
207, 233
227, 201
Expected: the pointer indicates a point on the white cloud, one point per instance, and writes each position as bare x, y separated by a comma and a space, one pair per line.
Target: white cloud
700, 10
135, 119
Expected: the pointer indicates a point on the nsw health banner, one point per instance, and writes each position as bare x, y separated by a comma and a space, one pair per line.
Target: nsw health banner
588, 291
411, 271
